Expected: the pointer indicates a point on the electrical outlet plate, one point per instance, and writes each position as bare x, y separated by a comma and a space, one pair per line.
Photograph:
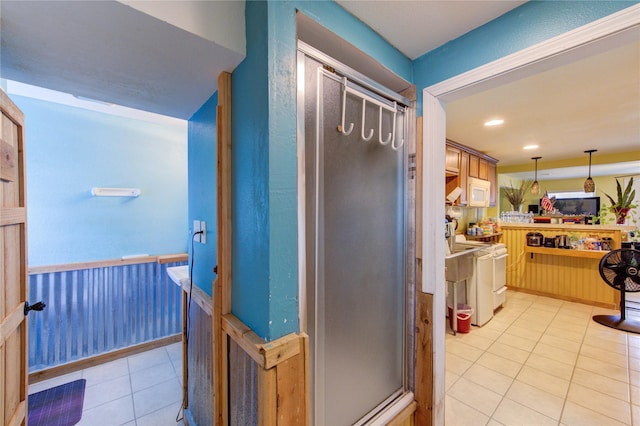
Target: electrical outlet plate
196, 228
200, 225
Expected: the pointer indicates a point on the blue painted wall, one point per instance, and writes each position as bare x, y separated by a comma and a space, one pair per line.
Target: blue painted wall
69, 151
265, 287
202, 191
522, 27
250, 177
265, 260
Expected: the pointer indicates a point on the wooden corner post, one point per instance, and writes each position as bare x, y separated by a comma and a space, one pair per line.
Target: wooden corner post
222, 283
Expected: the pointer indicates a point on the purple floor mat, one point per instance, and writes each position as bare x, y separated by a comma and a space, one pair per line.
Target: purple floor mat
59, 406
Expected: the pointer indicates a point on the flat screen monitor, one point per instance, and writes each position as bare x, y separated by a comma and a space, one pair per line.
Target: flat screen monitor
578, 206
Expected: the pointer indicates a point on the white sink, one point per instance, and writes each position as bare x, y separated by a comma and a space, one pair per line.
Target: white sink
179, 274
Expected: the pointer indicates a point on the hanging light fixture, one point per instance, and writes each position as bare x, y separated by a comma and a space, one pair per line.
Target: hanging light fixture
589, 184
535, 187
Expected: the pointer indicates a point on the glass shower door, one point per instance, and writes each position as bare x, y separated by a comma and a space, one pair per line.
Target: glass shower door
355, 251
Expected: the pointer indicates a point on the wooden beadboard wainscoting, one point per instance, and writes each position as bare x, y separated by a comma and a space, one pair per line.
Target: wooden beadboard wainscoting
571, 275
100, 311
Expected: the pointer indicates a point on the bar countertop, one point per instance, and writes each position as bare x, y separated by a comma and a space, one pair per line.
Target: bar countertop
567, 226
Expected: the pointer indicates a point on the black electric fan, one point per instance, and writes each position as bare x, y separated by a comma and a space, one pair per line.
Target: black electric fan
621, 270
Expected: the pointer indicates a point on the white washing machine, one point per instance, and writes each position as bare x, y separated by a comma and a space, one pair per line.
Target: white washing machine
486, 289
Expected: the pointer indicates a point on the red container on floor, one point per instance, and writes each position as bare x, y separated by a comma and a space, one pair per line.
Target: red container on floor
464, 317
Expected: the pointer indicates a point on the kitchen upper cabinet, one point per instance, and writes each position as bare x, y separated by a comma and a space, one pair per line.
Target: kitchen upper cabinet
452, 161
463, 163
493, 178
464, 177
483, 169
474, 166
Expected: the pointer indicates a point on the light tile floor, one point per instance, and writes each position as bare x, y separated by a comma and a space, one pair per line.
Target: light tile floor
539, 361
140, 390
542, 361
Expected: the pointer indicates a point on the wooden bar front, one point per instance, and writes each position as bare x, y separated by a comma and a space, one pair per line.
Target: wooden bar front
561, 273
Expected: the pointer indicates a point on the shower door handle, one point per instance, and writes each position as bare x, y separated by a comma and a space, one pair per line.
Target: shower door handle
38, 306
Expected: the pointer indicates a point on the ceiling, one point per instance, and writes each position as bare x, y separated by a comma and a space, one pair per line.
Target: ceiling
96, 50
593, 103
111, 52
417, 27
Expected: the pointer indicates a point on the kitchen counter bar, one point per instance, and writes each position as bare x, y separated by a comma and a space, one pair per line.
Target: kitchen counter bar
564, 274
568, 227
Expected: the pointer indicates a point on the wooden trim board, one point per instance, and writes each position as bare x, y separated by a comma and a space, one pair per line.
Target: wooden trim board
266, 354
222, 283
405, 417
201, 298
12, 216
107, 263
424, 359
172, 258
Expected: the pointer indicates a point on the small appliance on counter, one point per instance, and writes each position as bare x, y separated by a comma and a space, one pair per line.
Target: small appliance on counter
534, 239
549, 242
562, 241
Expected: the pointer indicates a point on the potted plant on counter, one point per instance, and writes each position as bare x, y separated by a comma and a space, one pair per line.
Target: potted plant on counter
620, 208
515, 195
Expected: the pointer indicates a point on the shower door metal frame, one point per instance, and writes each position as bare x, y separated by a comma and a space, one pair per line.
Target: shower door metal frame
404, 396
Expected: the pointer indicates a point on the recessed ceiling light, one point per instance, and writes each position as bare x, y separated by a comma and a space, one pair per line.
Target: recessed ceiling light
530, 147
495, 122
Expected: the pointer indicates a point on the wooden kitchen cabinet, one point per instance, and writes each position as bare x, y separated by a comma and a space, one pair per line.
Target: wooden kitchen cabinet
452, 161
483, 169
474, 165
493, 178
462, 163
463, 179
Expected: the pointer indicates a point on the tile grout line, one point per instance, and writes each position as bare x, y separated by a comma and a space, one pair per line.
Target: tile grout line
575, 365
133, 401
490, 417
524, 362
629, 379
542, 334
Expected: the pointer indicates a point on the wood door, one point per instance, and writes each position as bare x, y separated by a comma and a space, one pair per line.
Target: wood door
13, 266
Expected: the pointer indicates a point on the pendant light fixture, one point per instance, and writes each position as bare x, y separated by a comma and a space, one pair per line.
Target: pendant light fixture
535, 187
589, 184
